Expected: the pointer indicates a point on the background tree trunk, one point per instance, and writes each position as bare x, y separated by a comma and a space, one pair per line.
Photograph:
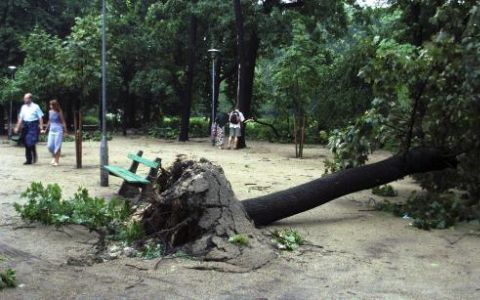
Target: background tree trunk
2, 119
273, 207
248, 75
188, 92
247, 56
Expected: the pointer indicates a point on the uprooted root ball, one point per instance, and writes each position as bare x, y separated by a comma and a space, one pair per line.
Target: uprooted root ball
198, 212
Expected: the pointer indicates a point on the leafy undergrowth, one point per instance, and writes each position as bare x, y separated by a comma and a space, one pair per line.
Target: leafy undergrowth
87, 136
287, 239
111, 219
46, 206
7, 278
433, 210
120, 234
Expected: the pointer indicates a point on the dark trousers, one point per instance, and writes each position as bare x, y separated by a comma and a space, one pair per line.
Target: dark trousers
31, 154
30, 135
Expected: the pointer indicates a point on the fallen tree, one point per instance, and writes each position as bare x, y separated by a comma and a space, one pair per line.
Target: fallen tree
276, 206
196, 210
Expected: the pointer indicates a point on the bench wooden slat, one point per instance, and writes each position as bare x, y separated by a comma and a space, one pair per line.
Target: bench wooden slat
126, 175
144, 161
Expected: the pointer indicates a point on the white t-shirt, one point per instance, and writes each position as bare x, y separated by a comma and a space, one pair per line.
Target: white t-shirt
242, 118
30, 112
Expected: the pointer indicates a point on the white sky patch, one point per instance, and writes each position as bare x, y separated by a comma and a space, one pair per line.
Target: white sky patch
373, 3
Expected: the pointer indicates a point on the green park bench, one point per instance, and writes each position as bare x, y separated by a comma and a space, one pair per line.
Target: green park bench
133, 183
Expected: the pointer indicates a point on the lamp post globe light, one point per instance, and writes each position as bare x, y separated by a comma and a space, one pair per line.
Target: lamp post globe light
214, 55
103, 142
12, 69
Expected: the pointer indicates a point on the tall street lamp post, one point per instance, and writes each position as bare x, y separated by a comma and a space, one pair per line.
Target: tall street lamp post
12, 69
214, 54
103, 142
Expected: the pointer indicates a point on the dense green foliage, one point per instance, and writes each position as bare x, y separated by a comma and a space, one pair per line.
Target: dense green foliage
433, 210
46, 206
424, 76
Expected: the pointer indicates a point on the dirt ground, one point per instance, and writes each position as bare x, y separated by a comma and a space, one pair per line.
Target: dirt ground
365, 255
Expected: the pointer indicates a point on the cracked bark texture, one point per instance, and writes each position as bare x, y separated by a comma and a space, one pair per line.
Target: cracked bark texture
197, 211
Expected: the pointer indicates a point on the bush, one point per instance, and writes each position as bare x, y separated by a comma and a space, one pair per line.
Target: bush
90, 120
94, 136
433, 210
45, 205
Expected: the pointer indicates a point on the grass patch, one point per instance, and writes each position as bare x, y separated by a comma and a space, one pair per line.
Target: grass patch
239, 240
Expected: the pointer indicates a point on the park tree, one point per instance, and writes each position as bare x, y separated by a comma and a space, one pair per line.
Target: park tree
295, 77
82, 58
43, 68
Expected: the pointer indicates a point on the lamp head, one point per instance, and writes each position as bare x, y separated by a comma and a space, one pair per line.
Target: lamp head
214, 52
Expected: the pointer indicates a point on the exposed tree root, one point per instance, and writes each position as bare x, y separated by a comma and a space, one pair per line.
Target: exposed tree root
198, 212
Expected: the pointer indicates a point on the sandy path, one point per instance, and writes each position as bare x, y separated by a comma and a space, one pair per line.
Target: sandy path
366, 254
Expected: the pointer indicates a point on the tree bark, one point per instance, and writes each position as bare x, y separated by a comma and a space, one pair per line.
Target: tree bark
273, 207
240, 29
147, 108
248, 75
188, 91
247, 55
2, 120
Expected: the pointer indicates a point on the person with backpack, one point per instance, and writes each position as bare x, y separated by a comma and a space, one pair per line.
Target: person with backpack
236, 120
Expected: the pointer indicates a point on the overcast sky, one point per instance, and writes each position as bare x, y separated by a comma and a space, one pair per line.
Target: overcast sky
373, 2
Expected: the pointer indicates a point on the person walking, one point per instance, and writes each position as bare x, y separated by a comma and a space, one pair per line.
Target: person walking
30, 118
236, 120
220, 121
57, 128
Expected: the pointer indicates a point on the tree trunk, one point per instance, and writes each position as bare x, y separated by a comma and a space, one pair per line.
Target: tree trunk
245, 105
247, 56
2, 120
131, 109
188, 91
239, 26
273, 207
147, 108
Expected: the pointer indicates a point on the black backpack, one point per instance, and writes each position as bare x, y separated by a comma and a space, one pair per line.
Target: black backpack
234, 117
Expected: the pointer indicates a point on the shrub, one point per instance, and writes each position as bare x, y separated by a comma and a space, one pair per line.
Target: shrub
45, 205
433, 210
